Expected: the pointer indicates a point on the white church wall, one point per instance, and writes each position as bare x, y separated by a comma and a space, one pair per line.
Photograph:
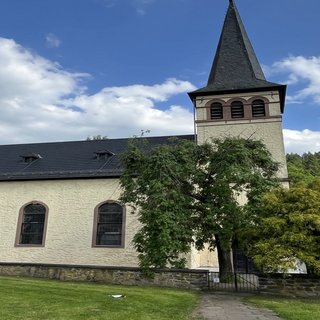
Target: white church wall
71, 206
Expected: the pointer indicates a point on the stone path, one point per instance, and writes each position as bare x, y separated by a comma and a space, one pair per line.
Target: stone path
230, 307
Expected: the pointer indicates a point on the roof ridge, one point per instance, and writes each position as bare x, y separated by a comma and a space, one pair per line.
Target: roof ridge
94, 141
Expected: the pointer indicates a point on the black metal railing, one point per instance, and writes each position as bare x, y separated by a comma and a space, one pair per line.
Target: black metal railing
238, 282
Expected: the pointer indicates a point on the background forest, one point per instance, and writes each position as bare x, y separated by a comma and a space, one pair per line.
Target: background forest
304, 170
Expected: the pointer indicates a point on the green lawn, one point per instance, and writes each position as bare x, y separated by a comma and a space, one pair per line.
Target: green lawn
24, 298
289, 308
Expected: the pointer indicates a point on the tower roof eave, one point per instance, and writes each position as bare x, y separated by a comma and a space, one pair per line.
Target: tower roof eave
268, 86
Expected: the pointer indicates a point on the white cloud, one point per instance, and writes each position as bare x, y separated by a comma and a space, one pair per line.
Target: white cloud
52, 41
124, 111
303, 71
141, 5
301, 141
109, 3
39, 101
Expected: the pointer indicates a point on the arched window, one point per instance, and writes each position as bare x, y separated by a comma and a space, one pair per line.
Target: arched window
32, 225
108, 227
237, 109
216, 111
258, 108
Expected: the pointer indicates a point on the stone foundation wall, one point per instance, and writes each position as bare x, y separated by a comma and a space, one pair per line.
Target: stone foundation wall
299, 285
186, 279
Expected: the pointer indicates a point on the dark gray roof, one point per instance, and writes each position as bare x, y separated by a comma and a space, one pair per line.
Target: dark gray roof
235, 66
68, 160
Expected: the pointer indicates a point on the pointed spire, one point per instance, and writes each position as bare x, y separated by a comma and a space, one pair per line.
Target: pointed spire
235, 65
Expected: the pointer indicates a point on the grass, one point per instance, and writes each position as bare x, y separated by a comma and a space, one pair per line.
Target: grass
289, 308
24, 298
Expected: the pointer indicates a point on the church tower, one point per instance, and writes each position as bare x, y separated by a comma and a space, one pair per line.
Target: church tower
238, 100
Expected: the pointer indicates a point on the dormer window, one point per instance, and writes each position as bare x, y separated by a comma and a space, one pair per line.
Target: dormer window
237, 110
30, 157
258, 108
216, 111
103, 154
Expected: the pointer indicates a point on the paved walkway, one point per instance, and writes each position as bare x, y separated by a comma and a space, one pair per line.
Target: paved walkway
230, 307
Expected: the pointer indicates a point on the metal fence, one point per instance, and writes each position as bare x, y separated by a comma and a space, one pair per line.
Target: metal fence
238, 282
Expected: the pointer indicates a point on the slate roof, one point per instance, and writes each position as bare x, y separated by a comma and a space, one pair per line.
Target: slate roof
68, 160
235, 67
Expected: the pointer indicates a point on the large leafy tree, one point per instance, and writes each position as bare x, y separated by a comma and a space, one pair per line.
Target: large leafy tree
187, 194
288, 230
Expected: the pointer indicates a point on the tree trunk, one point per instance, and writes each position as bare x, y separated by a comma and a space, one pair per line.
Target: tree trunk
224, 258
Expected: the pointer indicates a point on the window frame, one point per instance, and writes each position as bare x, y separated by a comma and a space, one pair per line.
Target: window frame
21, 221
95, 226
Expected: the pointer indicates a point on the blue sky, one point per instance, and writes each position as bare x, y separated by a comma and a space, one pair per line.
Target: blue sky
70, 69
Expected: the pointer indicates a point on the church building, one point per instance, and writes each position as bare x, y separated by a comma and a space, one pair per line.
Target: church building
59, 201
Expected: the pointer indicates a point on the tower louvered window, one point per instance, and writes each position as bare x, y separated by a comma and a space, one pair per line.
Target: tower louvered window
258, 108
216, 111
237, 110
